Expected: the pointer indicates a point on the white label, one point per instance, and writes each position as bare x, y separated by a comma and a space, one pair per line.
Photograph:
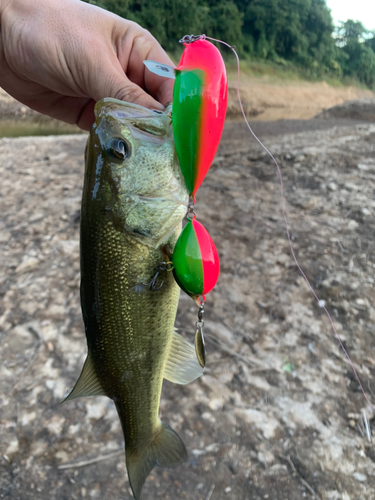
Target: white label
160, 69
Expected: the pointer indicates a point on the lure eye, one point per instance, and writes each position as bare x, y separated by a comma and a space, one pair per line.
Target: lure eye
118, 148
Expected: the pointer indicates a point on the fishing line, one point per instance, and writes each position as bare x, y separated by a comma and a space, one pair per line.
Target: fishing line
320, 302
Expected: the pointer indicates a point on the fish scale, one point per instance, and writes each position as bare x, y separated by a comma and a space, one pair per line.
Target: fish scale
120, 316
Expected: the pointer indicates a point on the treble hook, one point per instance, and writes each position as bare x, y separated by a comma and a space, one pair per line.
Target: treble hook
152, 284
163, 266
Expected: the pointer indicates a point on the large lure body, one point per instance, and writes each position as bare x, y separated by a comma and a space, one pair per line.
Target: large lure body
200, 98
134, 199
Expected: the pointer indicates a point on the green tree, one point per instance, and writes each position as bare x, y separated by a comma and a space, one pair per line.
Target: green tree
224, 22
366, 67
318, 29
298, 30
358, 58
370, 42
170, 20
350, 30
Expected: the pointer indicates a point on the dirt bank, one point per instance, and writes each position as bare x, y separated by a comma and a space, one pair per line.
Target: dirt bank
268, 101
278, 414
363, 109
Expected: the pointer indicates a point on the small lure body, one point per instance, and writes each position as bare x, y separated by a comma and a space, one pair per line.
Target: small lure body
195, 260
199, 106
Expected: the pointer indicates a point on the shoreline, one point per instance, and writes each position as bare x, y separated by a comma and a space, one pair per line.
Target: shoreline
262, 100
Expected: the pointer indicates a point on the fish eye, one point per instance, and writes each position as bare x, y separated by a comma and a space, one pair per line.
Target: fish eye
118, 148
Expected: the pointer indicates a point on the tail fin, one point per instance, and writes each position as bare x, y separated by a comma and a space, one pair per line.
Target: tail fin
166, 449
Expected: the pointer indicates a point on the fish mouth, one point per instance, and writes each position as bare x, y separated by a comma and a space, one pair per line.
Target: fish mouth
123, 110
153, 121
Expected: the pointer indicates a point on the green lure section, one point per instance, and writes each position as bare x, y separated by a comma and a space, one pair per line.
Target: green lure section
187, 109
187, 262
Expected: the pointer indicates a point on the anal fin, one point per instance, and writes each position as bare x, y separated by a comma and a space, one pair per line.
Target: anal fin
88, 383
182, 365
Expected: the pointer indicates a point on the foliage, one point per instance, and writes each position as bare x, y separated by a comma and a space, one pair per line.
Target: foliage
357, 56
350, 30
370, 42
300, 32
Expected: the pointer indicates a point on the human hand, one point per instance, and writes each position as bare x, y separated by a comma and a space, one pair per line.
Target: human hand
61, 56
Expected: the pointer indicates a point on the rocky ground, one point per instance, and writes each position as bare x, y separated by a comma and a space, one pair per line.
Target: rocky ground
278, 413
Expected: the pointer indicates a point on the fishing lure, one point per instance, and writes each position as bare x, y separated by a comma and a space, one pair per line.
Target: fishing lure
195, 260
200, 97
199, 106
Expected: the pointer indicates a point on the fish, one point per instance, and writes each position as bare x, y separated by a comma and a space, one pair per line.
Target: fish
133, 203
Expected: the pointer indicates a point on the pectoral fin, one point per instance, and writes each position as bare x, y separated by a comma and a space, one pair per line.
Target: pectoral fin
88, 383
182, 365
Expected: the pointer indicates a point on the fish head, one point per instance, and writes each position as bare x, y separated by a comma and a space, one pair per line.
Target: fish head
133, 171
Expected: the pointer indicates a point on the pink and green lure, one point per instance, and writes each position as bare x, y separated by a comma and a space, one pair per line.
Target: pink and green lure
195, 260
199, 105
200, 98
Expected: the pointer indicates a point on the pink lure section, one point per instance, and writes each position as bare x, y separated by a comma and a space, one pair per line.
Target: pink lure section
210, 257
203, 55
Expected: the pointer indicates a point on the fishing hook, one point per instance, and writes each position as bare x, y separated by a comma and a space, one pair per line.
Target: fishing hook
152, 284
163, 266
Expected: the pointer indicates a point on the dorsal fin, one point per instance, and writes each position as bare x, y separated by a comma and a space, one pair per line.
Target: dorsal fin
88, 383
182, 366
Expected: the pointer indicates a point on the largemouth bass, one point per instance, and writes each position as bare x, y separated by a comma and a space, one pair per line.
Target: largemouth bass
134, 200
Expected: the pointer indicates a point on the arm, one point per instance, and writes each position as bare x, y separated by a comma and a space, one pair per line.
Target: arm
61, 56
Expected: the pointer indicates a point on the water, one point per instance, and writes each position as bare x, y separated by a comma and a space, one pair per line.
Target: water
22, 128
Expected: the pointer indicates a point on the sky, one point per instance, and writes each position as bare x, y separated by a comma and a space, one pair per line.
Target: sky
358, 10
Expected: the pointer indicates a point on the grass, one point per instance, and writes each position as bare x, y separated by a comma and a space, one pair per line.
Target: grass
284, 71
276, 72
262, 69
